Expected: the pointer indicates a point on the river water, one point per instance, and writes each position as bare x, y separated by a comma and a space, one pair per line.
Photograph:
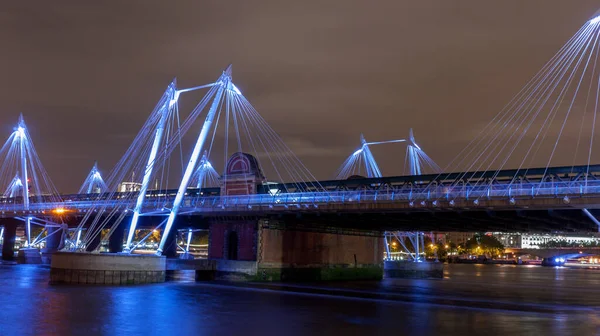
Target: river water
471, 300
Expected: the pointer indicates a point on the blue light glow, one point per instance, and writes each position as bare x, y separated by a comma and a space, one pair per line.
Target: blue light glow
21, 131
235, 89
175, 98
595, 20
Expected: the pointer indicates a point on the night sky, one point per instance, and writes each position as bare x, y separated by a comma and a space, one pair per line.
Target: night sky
87, 74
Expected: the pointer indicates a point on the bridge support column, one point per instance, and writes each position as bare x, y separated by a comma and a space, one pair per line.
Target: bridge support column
263, 250
115, 242
54, 242
10, 235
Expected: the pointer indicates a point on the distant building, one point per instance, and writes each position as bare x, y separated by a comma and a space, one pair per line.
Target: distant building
130, 187
513, 240
518, 240
451, 237
534, 240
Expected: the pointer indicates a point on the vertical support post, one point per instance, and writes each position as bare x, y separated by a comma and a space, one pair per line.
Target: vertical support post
189, 239
28, 230
223, 82
25, 182
387, 245
422, 235
1, 235
78, 240
149, 169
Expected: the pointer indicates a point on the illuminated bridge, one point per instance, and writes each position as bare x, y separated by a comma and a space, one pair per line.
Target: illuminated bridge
483, 194
560, 188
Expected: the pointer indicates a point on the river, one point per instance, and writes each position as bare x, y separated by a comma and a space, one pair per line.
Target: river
471, 300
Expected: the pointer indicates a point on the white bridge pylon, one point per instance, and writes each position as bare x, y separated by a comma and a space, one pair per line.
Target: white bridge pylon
22, 174
93, 183
149, 159
362, 161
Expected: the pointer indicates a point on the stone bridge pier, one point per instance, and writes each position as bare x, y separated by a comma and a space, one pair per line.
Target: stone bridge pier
259, 248
269, 250
10, 235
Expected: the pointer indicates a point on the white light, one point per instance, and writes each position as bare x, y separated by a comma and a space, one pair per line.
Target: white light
235, 89
21, 131
595, 20
175, 99
357, 152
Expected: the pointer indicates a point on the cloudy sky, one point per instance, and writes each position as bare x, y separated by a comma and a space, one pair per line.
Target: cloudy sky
87, 74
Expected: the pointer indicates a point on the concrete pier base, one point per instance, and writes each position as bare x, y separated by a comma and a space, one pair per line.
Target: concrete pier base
236, 270
261, 250
194, 269
319, 273
413, 270
46, 254
29, 256
106, 269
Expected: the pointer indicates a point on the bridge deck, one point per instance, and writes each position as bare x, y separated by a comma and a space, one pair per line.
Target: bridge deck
571, 191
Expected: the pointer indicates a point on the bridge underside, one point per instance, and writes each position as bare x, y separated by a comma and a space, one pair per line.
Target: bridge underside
532, 220
566, 220
572, 220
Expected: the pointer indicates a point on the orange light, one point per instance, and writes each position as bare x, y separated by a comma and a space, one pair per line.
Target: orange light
59, 211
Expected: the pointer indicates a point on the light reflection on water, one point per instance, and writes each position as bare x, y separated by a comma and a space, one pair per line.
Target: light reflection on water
29, 306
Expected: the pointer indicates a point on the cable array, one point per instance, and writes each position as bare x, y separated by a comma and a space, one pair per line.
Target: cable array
139, 184
550, 122
23, 176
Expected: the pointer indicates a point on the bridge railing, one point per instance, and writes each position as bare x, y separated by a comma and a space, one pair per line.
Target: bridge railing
520, 191
448, 193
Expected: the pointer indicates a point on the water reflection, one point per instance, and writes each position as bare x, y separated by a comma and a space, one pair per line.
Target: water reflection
500, 300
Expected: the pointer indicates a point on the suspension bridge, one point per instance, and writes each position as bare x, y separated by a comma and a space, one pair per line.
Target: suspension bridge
262, 177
